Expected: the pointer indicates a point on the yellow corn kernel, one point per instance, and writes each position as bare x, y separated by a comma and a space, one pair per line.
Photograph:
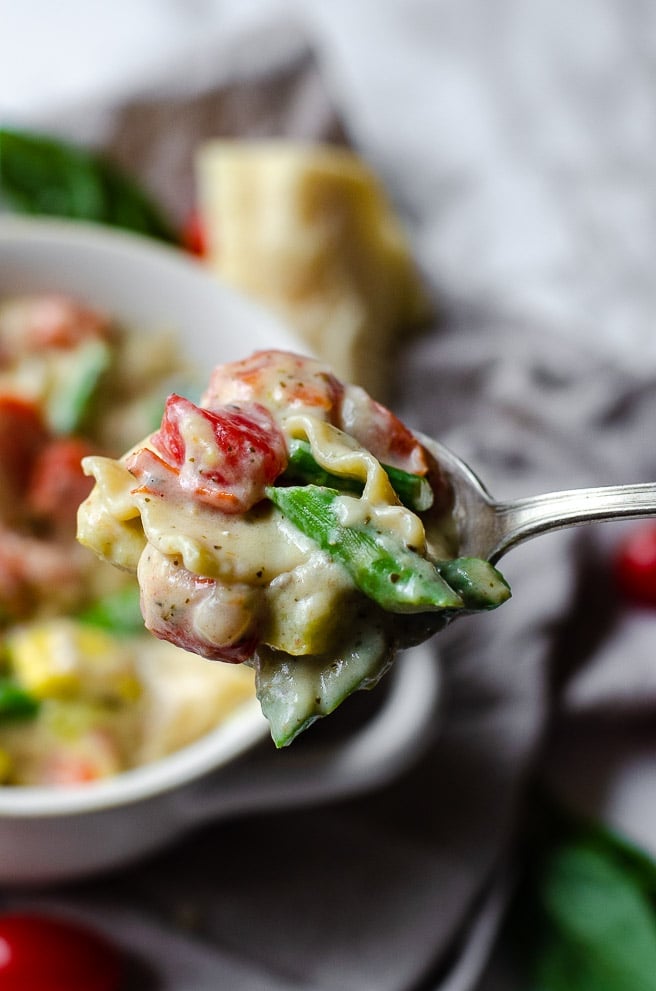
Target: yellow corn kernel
44, 662
6, 766
65, 659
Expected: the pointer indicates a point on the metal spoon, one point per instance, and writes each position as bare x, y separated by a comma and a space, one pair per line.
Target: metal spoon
488, 529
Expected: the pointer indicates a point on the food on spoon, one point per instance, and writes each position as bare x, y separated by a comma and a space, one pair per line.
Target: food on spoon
309, 231
291, 522
85, 692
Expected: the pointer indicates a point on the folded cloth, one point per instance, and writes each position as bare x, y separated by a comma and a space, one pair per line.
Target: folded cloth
526, 374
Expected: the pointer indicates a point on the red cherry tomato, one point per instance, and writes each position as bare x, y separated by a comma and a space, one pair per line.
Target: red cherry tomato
635, 565
193, 235
41, 953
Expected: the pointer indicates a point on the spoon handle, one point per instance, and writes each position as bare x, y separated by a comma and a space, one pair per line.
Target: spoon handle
529, 517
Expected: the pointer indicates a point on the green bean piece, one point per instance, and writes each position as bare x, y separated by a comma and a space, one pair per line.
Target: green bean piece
119, 611
72, 397
383, 568
414, 491
477, 581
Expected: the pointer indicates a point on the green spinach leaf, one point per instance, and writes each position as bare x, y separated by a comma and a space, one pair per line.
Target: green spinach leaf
47, 176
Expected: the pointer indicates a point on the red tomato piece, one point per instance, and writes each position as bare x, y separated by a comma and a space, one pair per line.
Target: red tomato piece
226, 456
44, 953
380, 431
62, 322
287, 381
194, 237
22, 436
71, 770
57, 484
179, 629
635, 565
280, 379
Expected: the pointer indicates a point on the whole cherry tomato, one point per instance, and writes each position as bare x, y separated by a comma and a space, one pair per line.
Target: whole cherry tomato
635, 565
44, 953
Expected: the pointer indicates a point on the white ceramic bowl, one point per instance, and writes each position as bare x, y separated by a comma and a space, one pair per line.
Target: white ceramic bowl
50, 835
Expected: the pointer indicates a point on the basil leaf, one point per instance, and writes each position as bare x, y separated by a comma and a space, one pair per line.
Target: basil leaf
47, 176
602, 926
584, 913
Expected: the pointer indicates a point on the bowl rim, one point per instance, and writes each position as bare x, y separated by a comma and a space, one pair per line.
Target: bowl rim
210, 752
126, 245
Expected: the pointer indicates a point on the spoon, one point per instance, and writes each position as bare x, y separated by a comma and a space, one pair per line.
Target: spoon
489, 529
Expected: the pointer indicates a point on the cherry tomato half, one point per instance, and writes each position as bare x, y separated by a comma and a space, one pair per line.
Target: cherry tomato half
44, 953
635, 565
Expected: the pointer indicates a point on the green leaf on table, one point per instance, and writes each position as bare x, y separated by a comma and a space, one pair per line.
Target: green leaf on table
584, 914
601, 928
47, 176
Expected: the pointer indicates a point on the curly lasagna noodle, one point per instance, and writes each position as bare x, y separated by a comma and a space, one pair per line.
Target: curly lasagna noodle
290, 522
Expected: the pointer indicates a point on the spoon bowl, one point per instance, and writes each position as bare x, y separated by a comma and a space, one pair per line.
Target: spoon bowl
488, 528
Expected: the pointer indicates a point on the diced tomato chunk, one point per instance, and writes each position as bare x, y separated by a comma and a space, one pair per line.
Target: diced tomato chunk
280, 379
57, 321
197, 613
226, 457
23, 435
33, 570
290, 382
380, 431
57, 483
194, 237
180, 632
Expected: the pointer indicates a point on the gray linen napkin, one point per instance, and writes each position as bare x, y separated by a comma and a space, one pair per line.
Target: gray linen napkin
514, 185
